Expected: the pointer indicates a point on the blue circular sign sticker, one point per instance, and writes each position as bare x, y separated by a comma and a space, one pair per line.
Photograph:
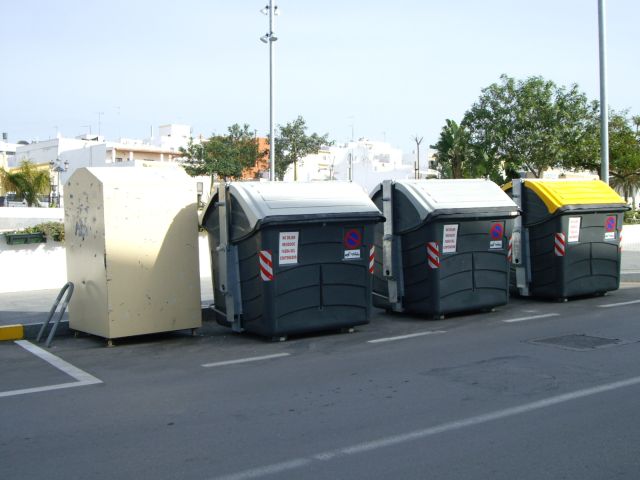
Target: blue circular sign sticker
353, 238
610, 224
496, 232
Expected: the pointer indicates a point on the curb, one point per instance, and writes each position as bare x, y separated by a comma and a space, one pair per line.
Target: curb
30, 331
630, 276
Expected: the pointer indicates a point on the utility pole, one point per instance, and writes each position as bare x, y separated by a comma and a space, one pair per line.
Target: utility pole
418, 142
269, 38
604, 112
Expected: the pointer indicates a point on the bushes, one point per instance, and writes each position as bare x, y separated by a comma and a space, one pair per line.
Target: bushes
632, 217
53, 230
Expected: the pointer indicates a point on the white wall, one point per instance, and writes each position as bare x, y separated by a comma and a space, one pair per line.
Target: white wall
16, 218
43, 266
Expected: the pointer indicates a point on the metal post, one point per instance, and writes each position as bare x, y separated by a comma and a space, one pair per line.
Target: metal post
604, 113
418, 141
272, 140
351, 166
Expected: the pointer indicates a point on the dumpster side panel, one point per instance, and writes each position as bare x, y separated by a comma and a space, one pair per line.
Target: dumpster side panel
477, 275
593, 265
547, 271
474, 276
320, 291
380, 286
255, 298
421, 282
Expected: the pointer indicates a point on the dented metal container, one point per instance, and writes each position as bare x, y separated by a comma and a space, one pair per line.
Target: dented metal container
132, 251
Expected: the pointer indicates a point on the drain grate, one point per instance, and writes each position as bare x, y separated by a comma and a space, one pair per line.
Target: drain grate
578, 342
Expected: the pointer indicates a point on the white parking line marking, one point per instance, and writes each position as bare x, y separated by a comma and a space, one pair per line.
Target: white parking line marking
411, 335
609, 305
427, 432
82, 378
245, 360
532, 317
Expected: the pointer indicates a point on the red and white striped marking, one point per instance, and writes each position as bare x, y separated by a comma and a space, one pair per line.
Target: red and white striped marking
433, 255
620, 242
266, 265
560, 244
510, 250
372, 254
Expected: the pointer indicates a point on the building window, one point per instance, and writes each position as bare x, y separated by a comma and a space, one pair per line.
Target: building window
118, 159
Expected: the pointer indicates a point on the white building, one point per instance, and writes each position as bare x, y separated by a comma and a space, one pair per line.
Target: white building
94, 151
364, 162
7, 153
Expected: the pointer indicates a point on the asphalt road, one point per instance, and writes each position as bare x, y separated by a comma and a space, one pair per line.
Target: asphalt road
536, 390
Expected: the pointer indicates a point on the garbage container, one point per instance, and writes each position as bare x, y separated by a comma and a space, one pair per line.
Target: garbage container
291, 258
567, 242
444, 246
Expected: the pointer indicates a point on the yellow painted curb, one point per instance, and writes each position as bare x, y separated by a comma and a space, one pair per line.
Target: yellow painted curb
11, 332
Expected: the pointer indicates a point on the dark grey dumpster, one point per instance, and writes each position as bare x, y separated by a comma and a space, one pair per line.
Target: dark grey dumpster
567, 242
291, 258
444, 246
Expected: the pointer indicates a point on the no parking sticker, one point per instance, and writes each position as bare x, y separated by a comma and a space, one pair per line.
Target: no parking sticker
610, 228
496, 232
352, 242
353, 239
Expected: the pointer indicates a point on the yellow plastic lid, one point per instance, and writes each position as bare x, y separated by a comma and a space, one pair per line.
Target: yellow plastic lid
560, 193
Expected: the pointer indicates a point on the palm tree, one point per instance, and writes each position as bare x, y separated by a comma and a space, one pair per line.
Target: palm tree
28, 182
636, 121
453, 150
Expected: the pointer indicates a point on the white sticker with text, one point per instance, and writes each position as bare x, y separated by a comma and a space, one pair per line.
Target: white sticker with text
574, 229
288, 248
352, 254
450, 239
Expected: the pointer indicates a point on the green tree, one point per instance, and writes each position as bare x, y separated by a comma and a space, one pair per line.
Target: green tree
293, 143
533, 125
27, 182
223, 155
624, 155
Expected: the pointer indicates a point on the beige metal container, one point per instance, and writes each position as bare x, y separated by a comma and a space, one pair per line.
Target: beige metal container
132, 251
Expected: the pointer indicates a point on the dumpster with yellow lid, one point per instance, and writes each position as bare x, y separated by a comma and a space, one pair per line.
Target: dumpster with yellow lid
567, 242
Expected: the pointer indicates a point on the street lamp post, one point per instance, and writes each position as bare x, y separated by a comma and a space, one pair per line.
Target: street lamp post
56, 167
269, 38
604, 113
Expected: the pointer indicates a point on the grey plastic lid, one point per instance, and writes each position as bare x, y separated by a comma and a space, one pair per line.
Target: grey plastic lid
283, 201
460, 197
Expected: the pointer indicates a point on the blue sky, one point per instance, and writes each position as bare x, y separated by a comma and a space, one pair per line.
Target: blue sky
389, 69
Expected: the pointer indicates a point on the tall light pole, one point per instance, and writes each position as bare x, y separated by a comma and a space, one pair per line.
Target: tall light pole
269, 38
604, 110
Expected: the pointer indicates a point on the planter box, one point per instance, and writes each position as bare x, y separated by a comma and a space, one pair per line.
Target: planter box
24, 238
